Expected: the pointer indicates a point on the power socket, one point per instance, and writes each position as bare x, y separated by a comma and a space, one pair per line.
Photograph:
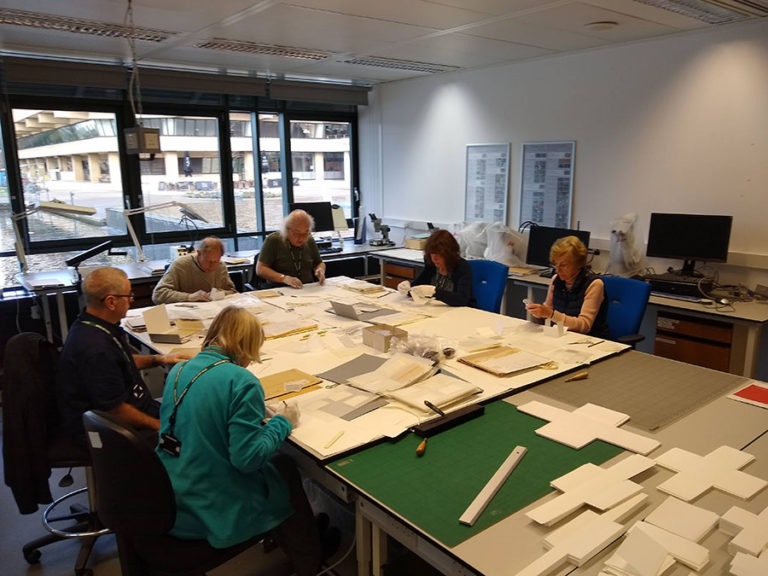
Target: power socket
34, 311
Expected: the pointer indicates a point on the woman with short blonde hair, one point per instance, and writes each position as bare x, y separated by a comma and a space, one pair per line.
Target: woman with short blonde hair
576, 296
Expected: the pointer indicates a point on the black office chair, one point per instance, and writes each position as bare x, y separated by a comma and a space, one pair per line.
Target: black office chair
135, 499
32, 446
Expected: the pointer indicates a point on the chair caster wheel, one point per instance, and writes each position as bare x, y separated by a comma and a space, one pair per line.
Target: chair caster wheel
32, 556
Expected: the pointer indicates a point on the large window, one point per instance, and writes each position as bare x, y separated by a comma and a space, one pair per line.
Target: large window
320, 152
245, 172
185, 172
70, 172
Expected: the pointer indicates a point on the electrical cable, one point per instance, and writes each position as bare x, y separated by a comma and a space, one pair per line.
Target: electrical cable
340, 560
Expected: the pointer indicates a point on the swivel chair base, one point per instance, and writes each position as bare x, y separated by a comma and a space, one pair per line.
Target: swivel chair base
86, 528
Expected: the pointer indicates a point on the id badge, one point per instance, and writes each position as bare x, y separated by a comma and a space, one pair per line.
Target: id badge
170, 445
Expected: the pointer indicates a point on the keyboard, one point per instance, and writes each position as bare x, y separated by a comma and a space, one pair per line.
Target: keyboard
677, 284
331, 250
672, 277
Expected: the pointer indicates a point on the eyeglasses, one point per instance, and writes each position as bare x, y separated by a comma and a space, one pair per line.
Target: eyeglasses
131, 296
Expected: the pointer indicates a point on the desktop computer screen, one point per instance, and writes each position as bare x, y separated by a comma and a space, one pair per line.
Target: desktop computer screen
689, 237
320, 211
541, 238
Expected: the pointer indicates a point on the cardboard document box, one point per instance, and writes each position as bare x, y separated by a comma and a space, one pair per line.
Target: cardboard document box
380, 336
161, 331
416, 242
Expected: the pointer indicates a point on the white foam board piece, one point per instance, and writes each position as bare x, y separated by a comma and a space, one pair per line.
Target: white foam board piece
750, 531
719, 469
592, 485
587, 424
683, 519
681, 549
640, 555
580, 539
747, 565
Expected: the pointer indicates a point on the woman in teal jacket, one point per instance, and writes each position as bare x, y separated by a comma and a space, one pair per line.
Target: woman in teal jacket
221, 455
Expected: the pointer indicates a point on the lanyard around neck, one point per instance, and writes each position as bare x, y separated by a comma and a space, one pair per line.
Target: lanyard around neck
296, 261
114, 338
177, 399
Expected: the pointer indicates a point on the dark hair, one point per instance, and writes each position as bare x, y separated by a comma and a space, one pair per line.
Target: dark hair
443, 243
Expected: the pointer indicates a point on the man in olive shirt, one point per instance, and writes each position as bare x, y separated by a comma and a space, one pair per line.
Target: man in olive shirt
291, 257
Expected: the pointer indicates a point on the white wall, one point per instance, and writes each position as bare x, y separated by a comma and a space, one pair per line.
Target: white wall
668, 125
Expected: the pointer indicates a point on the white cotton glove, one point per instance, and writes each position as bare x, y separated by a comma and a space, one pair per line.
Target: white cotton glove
217, 294
422, 294
199, 296
287, 409
291, 412
404, 287
320, 275
425, 291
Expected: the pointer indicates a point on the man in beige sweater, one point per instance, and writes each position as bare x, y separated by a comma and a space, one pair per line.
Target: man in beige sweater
191, 278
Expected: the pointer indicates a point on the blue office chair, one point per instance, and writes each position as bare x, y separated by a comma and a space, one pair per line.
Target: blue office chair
489, 280
627, 300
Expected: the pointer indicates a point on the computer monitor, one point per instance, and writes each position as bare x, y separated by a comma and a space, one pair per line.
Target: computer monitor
320, 211
689, 237
541, 238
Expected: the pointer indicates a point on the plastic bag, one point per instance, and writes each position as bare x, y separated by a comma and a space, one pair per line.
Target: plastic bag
504, 245
626, 257
472, 240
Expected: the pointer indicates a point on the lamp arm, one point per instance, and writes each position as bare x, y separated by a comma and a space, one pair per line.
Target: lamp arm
128, 212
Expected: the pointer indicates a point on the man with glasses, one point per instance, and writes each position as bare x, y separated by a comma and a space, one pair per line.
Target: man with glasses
191, 278
291, 257
98, 369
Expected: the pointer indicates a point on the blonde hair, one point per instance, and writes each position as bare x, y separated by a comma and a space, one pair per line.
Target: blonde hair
569, 246
238, 333
102, 282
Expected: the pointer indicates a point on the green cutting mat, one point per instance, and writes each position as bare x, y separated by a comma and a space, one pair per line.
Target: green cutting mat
433, 491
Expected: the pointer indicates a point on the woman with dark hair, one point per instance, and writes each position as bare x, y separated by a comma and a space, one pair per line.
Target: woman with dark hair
446, 275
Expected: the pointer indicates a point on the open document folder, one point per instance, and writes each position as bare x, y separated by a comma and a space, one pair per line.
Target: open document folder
439, 390
160, 330
399, 371
504, 360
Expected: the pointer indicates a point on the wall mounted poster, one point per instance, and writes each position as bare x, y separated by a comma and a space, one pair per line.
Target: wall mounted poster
486, 183
546, 193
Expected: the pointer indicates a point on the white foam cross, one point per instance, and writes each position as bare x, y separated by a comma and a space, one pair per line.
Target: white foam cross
580, 539
718, 469
587, 424
592, 485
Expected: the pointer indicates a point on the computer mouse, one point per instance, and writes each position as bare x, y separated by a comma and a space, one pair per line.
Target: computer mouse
724, 301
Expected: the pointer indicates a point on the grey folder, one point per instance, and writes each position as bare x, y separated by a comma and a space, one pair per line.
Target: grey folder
351, 311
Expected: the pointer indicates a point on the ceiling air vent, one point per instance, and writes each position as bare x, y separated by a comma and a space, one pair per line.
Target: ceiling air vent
13, 17
714, 11
265, 49
411, 65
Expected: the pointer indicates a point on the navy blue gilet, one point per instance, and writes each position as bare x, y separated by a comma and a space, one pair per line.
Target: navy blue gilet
569, 301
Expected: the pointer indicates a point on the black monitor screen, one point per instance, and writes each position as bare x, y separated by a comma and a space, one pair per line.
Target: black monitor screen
541, 238
320, 211
689, 237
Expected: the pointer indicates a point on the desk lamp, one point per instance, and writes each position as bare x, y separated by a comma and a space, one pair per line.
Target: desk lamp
185, 210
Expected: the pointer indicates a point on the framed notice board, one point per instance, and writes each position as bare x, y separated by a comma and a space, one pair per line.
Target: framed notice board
487, 183
546, 189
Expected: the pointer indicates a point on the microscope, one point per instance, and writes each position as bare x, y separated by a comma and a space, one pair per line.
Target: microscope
381, 228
